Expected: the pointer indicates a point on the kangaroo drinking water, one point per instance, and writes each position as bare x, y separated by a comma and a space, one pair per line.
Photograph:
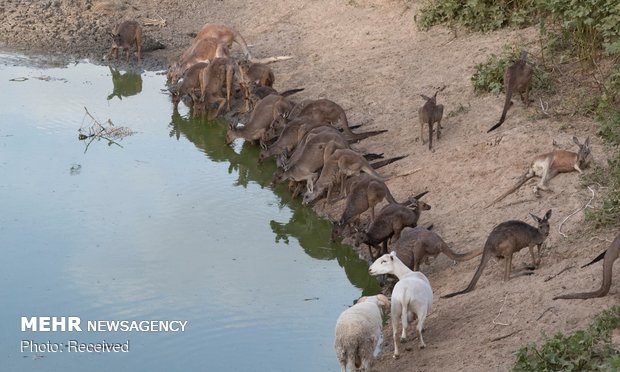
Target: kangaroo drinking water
547, 166
506, 239
517, 78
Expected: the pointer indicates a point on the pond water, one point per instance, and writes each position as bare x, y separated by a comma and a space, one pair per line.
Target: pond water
173, 225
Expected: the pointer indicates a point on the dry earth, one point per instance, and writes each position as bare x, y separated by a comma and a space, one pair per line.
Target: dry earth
369, 56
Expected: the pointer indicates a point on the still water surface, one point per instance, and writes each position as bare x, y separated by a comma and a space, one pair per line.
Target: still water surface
174, 225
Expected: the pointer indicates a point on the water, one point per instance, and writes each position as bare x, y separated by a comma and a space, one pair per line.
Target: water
173, 225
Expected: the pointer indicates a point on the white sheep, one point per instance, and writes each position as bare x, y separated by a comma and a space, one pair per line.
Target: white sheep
358, 331
412, 294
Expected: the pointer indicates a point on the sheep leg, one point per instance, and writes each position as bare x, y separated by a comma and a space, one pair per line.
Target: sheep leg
396, 310
420, 327
404, 318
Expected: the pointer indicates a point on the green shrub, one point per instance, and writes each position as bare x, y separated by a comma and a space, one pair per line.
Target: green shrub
591, 26
584, 350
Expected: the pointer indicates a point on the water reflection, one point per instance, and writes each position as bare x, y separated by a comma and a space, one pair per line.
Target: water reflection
312, 232
125, 84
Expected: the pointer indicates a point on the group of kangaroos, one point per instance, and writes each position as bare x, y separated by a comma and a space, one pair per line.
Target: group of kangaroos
311, 149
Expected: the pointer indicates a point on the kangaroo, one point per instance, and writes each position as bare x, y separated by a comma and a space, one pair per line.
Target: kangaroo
339, 165
366, 192
324, 110
608, 257
306, 168
260, 121
429, 114
289, 138
506, 239
307, 160
321, 134
517, 78
123, 35
189, 85
223, 33
252, 75
416, 244
204, 51
547, 166
219, 73
389, 223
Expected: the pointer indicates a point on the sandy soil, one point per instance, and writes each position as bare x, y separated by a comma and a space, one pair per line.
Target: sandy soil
369, 56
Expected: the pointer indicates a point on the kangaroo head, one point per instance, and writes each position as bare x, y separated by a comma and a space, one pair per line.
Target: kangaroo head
231, 134
543, 223
583, 156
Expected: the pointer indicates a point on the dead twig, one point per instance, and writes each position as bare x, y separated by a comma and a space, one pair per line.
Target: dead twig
575, 212
495, 322
272, 59
506, 336
544, 312
97, 131
155, 22
543, 108
561, 271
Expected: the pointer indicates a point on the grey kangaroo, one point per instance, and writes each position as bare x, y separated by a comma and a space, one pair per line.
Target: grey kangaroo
517, 78
506, 239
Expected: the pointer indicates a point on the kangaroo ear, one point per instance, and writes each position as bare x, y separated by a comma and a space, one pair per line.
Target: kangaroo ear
425, 97
417, 197
537, 219
576, 140
548, 214
587, 142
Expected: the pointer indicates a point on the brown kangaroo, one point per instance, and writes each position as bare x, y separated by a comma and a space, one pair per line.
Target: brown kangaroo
224, 33
219, 73
123, 35
204, 51
608, 257
392, 219
340, 164
251, 76
324, 110
429, 114
517, 78
547, 166
366, 192
189, 85
418, 243
506, 239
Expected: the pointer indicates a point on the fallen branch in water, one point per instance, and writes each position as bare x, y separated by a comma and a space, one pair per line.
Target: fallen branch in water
98, 131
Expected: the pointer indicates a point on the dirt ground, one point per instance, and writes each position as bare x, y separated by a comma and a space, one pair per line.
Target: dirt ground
368, 56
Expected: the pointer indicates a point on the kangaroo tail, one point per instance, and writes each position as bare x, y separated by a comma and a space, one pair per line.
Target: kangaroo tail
360, 136
598, 258
383, 163
373, 156
289, 92
460, 256
524, 178
486, 256
507, 102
